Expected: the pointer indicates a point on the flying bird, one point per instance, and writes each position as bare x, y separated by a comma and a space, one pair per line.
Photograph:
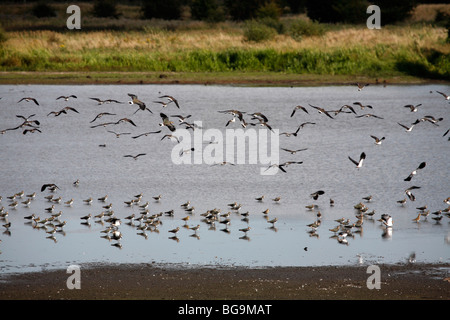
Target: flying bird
409, 194
146, 134
66, 98
134, 157
444, 95
322, 110
413, 173
412, 108
135, 100
362, 106
118, 134
166, 122
315, 195
293, 151
360, 85
49, 185
378, 141
101, 115
360, 162
171, 99
409, 129
63, 110
368, 115
298, 108
28, 99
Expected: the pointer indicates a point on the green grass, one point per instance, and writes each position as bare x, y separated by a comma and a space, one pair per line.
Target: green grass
380, 61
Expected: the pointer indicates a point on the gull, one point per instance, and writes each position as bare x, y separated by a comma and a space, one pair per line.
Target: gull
412, 108
146, 134
166, 122
297, 108
135, 100
171, 99
321, 110
49, 185
66, 98
293, 151
409, 129
64, 110
378, 141
368, 115
118, 134
362, 106
101, 115
315, 195
134, 157
361, 160
444, 95
169, 136
28, 99
413, 173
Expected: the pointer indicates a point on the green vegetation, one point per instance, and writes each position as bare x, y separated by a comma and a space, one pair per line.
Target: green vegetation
287, 47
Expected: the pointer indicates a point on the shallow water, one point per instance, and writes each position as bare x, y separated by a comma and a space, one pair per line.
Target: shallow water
68, 149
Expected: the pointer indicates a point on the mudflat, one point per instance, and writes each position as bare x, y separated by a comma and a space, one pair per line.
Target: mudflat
167, 282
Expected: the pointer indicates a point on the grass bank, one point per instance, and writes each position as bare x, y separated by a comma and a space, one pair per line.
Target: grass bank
161, 51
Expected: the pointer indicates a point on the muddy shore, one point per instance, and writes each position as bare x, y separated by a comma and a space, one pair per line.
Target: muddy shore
147, 281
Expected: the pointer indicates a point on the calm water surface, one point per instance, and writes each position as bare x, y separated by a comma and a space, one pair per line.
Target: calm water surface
68, 149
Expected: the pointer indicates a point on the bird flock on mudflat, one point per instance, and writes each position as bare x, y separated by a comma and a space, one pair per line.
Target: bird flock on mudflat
53, 223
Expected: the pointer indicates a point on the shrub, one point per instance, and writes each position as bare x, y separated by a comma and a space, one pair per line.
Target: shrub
269, 10
105, 9
243, 9
162, 9
395, 11
207, 10
257, 31
43, 10
3, 36
303, 28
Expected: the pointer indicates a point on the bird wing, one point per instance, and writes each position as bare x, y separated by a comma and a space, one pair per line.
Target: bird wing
355, 162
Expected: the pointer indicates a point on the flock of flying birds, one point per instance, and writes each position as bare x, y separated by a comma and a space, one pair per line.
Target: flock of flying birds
145, 222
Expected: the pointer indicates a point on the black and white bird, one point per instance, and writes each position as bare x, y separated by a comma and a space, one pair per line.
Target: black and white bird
413, 173
413, 108
166, 122
136, 101
28, 99
409, 194
409, 129
66, 98
298, 108
444, 95
315, 195
378, 141
322, 111
171, 99
359, 163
